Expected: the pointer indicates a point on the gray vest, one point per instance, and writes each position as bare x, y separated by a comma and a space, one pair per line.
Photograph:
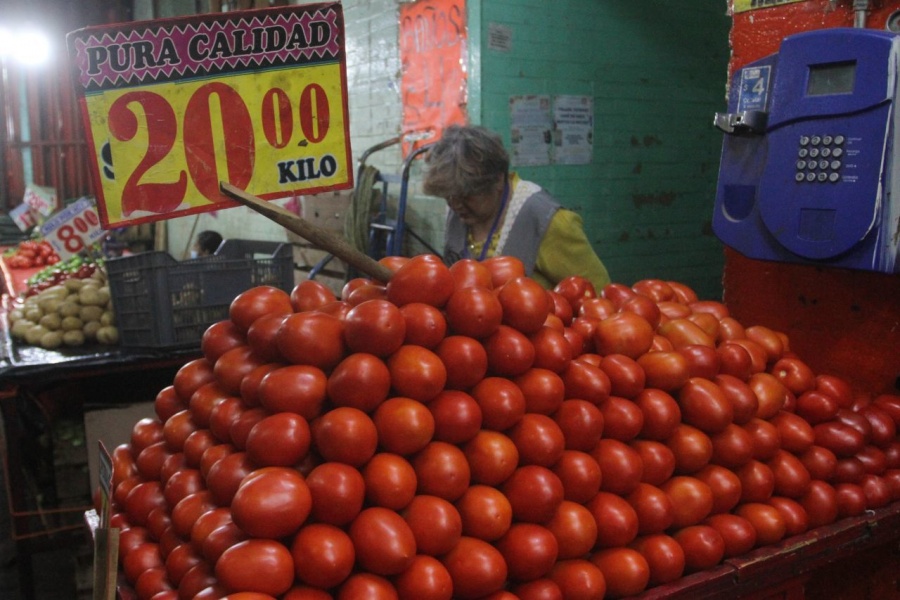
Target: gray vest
524, 237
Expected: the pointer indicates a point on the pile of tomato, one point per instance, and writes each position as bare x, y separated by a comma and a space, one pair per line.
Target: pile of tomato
30, 254
462, 433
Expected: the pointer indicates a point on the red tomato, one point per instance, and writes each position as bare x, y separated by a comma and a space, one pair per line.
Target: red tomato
757, 353
820, 503
705, 406
732, 447
167, 403
791, 477
594, 310
503, 269
768, 339
181, 483
574, 528
417, 373
793, 513
538, 589
436, 524
617, 521
725, 486
501, 401
735, 360
468, 272
140, 559
299, 389
256, 302
311, 338
851, 500
425, 324
465, 359
366, 585
820, 462
280, 440
337, 491
191, 376
323, 555
485, 512
539, 440
543, 389
142, 499
835, 387
310, 295
581, 423
525, 304
476, 567
658, 460
622, 418
692, 500
552, 350
816, 407
253, 565
624, 333
707, 322
442, 471
204, 400
530, 551
221, 418
509, 351
794, 374
384, 542
757, 481
692, 449
390, 481
474, 312
626, 376
702, 361
644, 307
703, 547
150, 461
625, 570
842, 439
560, 308
586, 382
620, 464
684, 332
766, 438
271, 502
653, 508
575, 289
884, 429
345, 434
220, 539
661, 414
766, 520
423, 278
457, 416
261, 337
180, 560
797, 435
665, 370
876, 490
243, 423
404, 425
580, 475
664, 557
579, 579
426, 578
737, 532
374, 326
361, 381
534, 492
145, 432
152, 582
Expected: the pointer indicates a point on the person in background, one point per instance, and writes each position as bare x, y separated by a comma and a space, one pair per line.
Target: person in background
493, 212
206, 243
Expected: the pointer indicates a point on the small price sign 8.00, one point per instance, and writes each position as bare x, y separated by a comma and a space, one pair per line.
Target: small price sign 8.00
255, 98
73, 228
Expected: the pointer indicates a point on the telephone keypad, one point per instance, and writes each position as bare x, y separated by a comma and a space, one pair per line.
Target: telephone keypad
818, 158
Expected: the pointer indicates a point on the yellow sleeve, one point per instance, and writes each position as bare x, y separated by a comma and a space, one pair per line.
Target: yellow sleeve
565, 250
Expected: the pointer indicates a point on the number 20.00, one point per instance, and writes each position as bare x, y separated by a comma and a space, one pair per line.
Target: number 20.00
199, 144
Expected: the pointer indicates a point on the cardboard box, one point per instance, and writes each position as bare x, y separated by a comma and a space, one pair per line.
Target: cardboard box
112, 426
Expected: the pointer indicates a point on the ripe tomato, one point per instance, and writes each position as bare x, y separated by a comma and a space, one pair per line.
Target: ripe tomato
820, 503
702, 361
580, 475
182, 482
665, 370
884, 429
622, 418
617, 521
876, 490
692, 500
797, 435
725, 486
219, 338
766, 438
457, 416
150, 461
842, 439
794, 515
851, 500
474, 312
468, 272
692, 449
436, 524
204, 400
579, 579
311, 338
509, 351
485, 512
732, 447
167, 403
543, 588
271, 502
757, 481
543, 389
492, 457
345, 434
768, 339
539, 440
586, 382
501, 401
661, 414
625, 333
256, 302
426, 578
684, 332
361, 381
188, 510
620, 464
140, 559
525, 304
794, 374
152, 582
534, 492
374, 326
323, 555
581, 423
423, 278
625, 570
404, 425
476, 567
653, 508
465, 360
626, 376
703, 547
417, 373
766, 520
503, 269
575, 289
791, 477
552, 349
664, 557
645, 307
221, 418
442, 471
366, 585
705, 406
299, 389
737, 532
254, 565
191, 376
658, 460
390, 481
310, 295
337, 491
384, 542
261, 337
574, 528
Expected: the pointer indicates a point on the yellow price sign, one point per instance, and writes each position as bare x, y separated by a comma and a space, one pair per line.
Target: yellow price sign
171, 108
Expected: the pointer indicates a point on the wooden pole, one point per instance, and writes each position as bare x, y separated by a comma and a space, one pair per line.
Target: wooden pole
317, 236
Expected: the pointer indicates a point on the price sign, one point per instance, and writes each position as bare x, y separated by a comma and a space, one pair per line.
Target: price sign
23, 217
255, 98
41, 199
73, 229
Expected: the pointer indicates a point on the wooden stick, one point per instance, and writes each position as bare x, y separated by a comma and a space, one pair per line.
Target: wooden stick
319, 237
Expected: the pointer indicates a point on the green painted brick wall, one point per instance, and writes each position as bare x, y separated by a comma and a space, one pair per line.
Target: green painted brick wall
656, 71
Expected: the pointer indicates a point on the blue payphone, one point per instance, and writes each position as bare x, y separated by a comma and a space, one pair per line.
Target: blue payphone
808, 161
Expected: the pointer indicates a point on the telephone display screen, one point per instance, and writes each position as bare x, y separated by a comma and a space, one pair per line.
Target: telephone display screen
832, 78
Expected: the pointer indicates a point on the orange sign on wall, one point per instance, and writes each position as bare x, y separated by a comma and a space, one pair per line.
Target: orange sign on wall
433, 59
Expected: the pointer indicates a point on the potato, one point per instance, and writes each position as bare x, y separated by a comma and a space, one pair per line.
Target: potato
50, 305
108, 335
90, 296
73, 284
51, 321
19, 328
69, 309
90, 330
73, 337
108, 318
71, 323
51, 340
56, 291
16, 314
34, 334
34, 314
90, 313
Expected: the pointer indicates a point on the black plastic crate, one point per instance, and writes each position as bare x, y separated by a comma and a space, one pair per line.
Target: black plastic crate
160, 302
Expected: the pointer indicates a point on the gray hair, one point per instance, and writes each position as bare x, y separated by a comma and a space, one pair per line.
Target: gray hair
467, 161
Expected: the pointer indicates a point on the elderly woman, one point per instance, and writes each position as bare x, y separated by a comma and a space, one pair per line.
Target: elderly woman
494, 212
